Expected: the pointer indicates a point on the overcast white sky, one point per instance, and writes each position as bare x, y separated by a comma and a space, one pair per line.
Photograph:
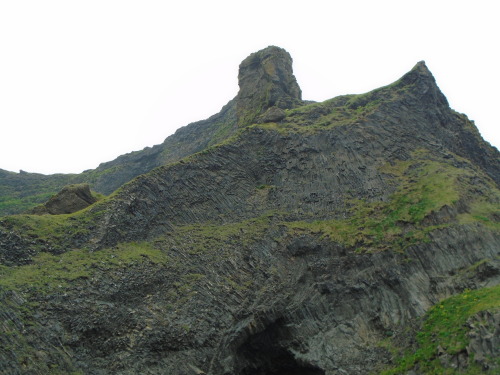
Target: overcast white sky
82, 82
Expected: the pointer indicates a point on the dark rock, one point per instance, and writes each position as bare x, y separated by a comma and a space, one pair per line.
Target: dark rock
256, 256
266, 80
70, 199
273, 114
484, 336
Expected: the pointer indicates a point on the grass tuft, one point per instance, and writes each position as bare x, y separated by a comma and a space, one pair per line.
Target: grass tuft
444, 331
49, 272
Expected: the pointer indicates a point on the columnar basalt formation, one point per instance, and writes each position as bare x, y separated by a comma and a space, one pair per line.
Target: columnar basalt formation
319, 238
266, 83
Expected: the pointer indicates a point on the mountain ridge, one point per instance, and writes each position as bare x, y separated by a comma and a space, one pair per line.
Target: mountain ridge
36, 188
20, 192
314, 242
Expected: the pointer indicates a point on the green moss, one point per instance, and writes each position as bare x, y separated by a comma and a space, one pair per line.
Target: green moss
10, 204
340, 111
445, 327
423, 186
484, 209
48, 272
46, 229
56, 230
210, 237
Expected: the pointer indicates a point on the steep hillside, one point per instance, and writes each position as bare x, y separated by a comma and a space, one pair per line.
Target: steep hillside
22, 191
355, 236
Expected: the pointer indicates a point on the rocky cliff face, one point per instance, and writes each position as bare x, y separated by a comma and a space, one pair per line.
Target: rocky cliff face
70, 199
267, 85
20, 192
322, 238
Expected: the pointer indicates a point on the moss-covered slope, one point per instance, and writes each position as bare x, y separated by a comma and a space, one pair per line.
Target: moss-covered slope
324, 242
20, 192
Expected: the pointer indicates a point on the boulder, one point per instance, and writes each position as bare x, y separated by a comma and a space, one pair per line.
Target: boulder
70, 199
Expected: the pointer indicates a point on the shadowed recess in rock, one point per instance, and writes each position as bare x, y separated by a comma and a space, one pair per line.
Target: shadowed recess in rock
267, 353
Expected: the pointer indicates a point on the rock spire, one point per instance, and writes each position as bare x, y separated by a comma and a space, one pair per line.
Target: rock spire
266, 82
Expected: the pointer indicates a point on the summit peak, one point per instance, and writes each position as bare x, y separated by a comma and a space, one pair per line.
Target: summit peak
421, 68
266, 81
418, 73
423, 84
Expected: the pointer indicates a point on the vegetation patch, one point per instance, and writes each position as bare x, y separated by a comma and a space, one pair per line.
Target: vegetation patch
213, 237
47, 230
339, 111
48, 272
485, 209
444, 332
424, 186
11, 203
52, 275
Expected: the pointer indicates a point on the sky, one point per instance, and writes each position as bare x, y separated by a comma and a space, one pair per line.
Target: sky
82, 82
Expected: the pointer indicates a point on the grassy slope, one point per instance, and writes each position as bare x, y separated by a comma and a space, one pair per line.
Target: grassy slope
424, 186
20, 192
49, 272
444, 331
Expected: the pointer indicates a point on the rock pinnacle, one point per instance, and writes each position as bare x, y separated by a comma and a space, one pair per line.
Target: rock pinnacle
266, 82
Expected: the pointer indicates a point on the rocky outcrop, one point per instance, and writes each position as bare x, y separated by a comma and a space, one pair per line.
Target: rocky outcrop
255, 302
483, 334
450, 130
267, 86
22, 191
299, 246
70, 199
273, 114
266, 80
484, 344
188, 140
312, 173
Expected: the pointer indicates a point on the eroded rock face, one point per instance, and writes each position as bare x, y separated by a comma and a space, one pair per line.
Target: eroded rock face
255, 260
484, 337
483, 333
70, 199
109, 176
266, 80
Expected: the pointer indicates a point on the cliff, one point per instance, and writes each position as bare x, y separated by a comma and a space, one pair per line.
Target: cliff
320, 238
20, 192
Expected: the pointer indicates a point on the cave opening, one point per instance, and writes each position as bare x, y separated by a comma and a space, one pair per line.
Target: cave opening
268, 353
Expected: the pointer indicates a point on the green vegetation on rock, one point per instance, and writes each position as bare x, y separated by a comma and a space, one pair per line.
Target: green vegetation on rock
424, 187
291, 244
443, 335
48, 272
339, 111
